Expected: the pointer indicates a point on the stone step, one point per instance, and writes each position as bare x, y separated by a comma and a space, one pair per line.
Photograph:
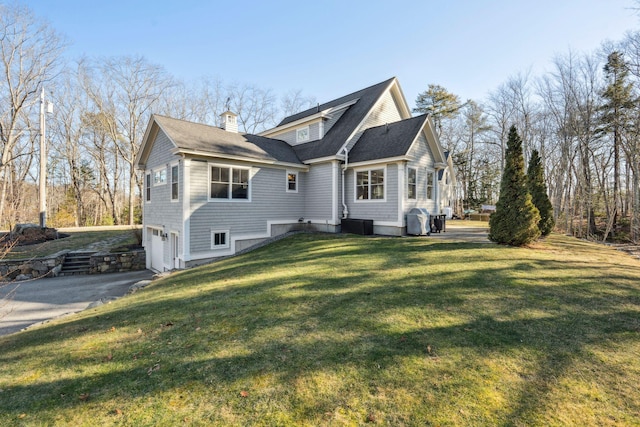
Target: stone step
76, 263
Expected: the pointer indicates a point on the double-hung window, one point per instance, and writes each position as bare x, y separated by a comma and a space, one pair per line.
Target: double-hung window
147, 187
430, 181
229, 183
370, 184
292, 182
412, 183
174, 182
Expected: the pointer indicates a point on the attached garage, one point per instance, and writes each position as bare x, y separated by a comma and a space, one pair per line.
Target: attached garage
155, 250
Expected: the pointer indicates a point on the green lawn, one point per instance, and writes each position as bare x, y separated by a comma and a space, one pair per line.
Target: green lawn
77, 239
334, 330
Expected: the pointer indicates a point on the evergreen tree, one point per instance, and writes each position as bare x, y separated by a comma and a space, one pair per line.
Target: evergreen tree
515, 221
539, 197
438, 102
616, 116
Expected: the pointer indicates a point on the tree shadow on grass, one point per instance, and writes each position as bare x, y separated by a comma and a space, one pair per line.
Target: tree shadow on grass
297, 324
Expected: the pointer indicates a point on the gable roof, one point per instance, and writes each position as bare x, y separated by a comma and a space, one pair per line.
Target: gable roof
196, 138
386, 141
335, 138
447, 158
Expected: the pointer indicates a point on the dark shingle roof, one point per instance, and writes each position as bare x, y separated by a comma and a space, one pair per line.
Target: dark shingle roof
344, 127
387, 141
212, 140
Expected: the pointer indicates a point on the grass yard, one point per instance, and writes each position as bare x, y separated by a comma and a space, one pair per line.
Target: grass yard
334, 330
77, 239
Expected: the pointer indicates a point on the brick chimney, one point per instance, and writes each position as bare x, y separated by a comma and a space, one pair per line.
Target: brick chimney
229, 121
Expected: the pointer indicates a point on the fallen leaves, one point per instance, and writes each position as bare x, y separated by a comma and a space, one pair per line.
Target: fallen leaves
244, 393
84, 396
153, 369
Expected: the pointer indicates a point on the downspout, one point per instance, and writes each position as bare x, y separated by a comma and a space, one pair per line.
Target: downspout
345, 210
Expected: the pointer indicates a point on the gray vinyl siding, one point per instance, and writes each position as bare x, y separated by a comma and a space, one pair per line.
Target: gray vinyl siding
161, 212
423, 162
319, 193
290, 136
269, 201
376, 210
386, 111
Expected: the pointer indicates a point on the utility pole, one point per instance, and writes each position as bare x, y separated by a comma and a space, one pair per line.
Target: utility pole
43, 160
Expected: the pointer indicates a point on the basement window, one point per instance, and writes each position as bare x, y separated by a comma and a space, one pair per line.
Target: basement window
219, 239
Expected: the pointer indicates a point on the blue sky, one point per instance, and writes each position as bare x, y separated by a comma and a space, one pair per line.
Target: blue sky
331, 48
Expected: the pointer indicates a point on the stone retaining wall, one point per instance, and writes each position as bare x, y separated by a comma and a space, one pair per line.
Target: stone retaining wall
106, 262
102, 262
22, 269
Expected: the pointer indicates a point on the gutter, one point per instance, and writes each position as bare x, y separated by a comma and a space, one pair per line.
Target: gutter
345, 210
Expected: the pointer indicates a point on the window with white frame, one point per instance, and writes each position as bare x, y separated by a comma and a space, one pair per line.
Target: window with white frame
412, 183
229, 183
370, 184
160, 176
302, 134
219, 239
147, 187
174, 182
292, 182
430, 181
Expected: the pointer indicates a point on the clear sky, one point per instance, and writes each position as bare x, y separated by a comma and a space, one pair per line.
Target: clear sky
330, 48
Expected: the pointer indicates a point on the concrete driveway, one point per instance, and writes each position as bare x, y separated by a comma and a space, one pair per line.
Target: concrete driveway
464, 234
44, 299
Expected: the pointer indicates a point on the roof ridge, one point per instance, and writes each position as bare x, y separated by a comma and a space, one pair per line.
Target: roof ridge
335, 101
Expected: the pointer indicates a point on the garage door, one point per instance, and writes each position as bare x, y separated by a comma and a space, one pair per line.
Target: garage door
157, 250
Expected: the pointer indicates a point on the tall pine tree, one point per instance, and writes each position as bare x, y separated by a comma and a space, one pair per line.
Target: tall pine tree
515, 221
539, 197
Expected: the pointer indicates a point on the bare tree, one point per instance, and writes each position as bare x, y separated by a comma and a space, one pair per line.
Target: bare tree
295, 101
126, 89
30, 53
255, 107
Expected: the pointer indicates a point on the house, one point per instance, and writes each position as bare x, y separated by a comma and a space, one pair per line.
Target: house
211, 192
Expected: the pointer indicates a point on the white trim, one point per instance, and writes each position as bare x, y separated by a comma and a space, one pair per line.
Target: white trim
335, 168
173, 237
402, 187
147, 173
223, 157
229, 199
186, 209
323, 160
430, 172
297, 181
406, 195
227, 240
172, 165
301, 140
371, 163
159, 171
385, 177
